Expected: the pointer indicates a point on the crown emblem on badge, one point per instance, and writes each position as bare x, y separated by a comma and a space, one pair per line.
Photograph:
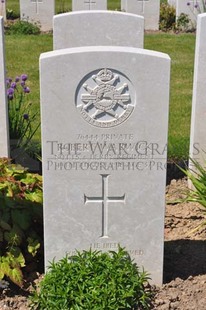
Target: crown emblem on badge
105, 75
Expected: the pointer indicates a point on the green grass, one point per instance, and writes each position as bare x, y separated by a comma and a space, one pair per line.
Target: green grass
181, 51
22, 56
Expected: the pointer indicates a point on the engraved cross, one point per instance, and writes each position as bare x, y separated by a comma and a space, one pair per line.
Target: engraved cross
37, 4
143, 4
90, 3
104, 199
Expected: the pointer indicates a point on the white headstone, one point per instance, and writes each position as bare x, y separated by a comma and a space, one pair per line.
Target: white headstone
98, 28
3, 8
198, 123
150, 9
79, 5
104, 154
38, 11
4, 131
172, 2
190, 7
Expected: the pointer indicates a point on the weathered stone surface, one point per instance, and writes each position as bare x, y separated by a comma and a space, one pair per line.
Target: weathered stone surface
38, 11
191, 8
98, 28
198, 124
104, 151
150, 9
78, 5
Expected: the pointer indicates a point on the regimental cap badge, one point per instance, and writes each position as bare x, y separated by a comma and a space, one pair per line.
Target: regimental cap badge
105, 98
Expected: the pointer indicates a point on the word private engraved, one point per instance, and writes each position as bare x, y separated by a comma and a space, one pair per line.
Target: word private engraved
105, 98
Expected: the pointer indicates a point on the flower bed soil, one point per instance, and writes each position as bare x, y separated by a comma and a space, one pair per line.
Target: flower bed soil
184, 285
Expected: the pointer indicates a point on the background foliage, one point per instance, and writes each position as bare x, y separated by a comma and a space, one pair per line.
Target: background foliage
21, 221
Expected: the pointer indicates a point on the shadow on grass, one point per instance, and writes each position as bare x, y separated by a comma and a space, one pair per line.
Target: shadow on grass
184, 258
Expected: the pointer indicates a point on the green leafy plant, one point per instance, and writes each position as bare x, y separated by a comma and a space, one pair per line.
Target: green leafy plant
167, 17
20, 219
93, 280
197, 176
11, 14
21, 117
197, 192
183, 23
23, 27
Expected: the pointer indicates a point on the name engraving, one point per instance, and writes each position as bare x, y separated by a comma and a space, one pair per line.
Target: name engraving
115, 153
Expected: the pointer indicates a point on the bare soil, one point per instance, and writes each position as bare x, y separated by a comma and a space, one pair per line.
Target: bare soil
184, 285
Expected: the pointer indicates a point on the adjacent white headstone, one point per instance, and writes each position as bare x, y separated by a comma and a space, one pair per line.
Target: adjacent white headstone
79, 5
4, 131
150, 9
98, 28
104, 151
38, 11
3, 8
190, 7
172, 2
198, 123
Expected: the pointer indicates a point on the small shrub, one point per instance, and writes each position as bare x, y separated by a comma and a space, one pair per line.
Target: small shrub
167, 17
198, 180
184, 23
10, 14
20, 220
197, 176
23, 27
93, 280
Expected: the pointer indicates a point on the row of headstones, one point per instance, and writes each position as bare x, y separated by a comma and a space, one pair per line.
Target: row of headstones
191, 8
102, 97
42, 11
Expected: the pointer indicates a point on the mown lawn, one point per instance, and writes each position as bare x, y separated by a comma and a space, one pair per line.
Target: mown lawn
181, 50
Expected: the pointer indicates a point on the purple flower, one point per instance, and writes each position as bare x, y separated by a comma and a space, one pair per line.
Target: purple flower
26, 116
24, 77
13, 85
7, 82
17, 79
10, 93
196, 6
188, 3
9, 79
27, 90
23, 84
